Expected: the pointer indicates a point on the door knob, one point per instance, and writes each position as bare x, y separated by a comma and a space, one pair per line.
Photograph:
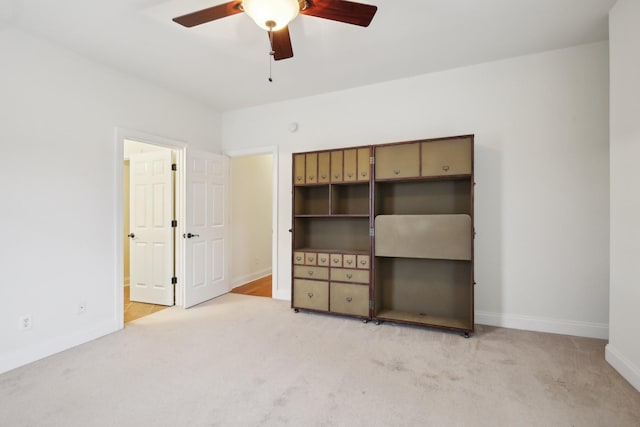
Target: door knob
132, 235
189, 235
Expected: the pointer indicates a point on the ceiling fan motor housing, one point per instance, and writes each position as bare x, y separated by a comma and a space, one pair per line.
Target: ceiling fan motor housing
271, 15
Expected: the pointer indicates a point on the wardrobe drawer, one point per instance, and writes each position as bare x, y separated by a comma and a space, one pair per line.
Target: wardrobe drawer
398, 161
349, 275
363, 261
323, 260
349, 260
336, 260
349, 299
318, 273
310, 258
448, 157
298, 257
311, 294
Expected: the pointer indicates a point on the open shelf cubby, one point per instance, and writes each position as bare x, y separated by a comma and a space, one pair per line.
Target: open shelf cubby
312, 200
424, 291
350, 199
344, 234
423, 197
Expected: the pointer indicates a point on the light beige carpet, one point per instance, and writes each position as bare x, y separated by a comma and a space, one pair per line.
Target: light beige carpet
247, 361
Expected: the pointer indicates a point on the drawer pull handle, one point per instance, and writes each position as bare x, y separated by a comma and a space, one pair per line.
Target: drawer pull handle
299, 178
445, 168
323, 176
310, 294
363, 173
336, 260
350, 174
349, 299
323, 260
298, 258
396, 171
363, 262
310, 272
310, 259
350, 261
349, 275
311, 176
336, 176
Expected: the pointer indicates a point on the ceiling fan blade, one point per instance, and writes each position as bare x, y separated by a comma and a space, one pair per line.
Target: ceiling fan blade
210, 14
281, 44
341, 11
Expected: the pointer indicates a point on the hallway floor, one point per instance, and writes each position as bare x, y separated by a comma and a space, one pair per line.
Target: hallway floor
135, 310
258, 288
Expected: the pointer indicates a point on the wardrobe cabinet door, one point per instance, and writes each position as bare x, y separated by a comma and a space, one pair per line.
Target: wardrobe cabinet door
298, 169
312, 168
364, 164
448, 157
336, 166
398, 161
350, 165
324, 174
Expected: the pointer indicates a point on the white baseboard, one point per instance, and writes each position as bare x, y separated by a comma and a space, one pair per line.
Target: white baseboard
239, 281
544, 324
283, 294
45, 349
628, 370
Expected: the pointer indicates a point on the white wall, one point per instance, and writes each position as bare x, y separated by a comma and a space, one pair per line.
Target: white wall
58, 116
251, 217
623, 351
542, 168
133, 147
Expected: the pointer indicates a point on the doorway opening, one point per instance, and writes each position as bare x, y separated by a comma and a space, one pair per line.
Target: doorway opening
254, 223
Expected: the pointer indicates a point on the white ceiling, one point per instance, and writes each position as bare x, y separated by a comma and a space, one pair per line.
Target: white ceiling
225, 63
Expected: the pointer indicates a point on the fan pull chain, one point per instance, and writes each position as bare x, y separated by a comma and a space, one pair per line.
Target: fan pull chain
271, 54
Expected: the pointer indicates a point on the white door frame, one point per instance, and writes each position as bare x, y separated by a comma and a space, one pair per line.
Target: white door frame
273, 150
179, 147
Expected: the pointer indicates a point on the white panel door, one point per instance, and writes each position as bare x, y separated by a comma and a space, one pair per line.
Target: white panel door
206, 228
151, 238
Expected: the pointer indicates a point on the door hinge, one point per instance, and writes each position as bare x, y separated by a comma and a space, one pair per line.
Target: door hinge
372, 232
174, 223
174, 167
174, 280
372, 160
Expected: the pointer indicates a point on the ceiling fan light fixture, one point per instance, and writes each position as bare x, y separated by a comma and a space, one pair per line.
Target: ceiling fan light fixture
271, 15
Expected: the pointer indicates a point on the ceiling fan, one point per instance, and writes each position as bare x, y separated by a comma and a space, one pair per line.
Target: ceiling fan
275, 16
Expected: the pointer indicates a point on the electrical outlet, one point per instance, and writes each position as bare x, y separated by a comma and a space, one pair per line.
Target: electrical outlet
82, 308
26, 322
